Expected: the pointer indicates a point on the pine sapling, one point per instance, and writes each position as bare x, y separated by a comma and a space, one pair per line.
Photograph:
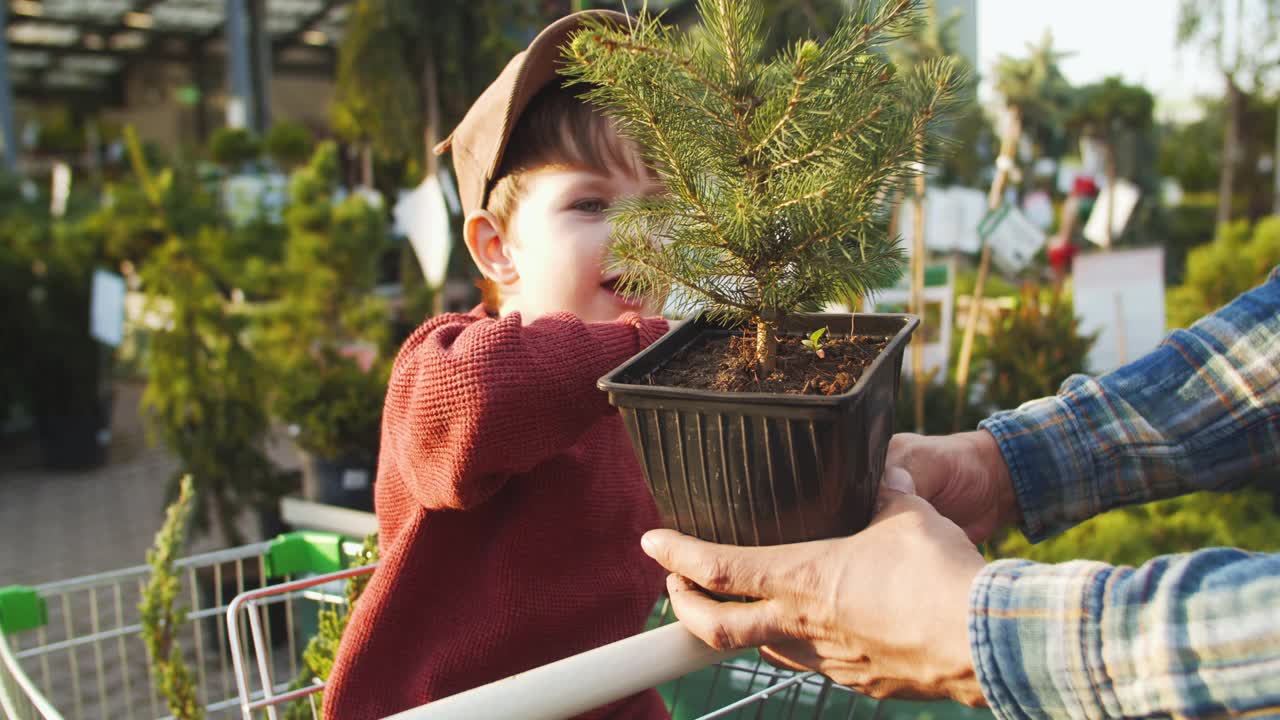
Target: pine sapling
777, 172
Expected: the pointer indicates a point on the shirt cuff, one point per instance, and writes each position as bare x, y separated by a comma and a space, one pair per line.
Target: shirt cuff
1035, 636
1049, 459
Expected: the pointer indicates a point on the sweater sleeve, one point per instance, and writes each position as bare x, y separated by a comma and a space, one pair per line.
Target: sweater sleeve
472, 402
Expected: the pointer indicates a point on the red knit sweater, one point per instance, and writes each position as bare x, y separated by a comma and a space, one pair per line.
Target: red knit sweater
510, 508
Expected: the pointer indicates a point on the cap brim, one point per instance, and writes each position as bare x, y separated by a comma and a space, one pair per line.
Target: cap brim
542, 61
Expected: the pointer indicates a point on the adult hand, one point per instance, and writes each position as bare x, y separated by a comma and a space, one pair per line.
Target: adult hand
964, 476
884, 611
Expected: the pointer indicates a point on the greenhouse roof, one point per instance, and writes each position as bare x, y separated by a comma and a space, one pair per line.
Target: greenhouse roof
81, 46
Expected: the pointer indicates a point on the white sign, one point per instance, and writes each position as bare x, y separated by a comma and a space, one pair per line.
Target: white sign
421, 215
106, 308
1093, 155
1039, 209
61, 189
1014, 239
1126, 196
1067, 174
1120, 295
951, 220
935, 326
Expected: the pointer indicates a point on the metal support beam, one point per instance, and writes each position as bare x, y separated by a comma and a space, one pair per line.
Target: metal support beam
320, 67
8, 133
240, 103
262, 61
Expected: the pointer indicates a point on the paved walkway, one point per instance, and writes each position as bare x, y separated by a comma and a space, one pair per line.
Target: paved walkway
58, 525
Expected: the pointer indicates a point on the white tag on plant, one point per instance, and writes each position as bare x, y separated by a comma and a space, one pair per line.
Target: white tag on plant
1126, 196
421, 214
1014, 239
106, 307
61, 189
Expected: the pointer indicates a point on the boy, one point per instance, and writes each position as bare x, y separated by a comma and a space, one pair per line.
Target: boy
510, 504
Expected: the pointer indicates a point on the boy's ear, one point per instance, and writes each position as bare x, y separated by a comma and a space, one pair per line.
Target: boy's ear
488, 243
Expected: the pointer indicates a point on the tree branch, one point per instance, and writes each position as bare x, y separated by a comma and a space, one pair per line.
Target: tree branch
835, 140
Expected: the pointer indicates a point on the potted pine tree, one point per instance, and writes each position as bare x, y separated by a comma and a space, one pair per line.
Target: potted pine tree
763, 421
326, 335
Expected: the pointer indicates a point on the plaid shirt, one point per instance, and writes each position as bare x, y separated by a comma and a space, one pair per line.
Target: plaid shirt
1191, 635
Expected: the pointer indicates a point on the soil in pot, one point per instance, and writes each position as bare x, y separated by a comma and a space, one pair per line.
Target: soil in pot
727, 363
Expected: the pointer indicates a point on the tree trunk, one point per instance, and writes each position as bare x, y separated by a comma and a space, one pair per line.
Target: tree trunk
1230, 148
431, 112
410, 272
766, 347
366, 165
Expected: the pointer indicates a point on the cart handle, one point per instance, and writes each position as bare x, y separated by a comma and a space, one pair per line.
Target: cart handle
582, 682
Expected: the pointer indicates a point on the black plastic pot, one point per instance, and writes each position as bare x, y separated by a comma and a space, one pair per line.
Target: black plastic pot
763, 468
75, 439
345, 482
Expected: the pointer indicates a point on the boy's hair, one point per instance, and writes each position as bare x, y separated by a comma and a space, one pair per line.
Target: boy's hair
558, 129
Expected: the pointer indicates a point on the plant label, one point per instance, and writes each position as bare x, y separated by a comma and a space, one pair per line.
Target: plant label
422, 215
106, 308
61, 189
1014, 239
1125, 196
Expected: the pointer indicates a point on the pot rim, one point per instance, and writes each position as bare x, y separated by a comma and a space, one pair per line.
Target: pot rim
611, 384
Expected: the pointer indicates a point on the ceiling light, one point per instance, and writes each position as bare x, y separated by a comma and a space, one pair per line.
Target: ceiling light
43, 34
27, 7
139, 20
128, 41
315, 37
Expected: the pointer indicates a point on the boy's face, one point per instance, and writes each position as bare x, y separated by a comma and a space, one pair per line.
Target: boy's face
557, 243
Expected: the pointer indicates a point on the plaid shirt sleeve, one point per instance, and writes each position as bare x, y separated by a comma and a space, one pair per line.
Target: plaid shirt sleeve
1201, 412
1194, 635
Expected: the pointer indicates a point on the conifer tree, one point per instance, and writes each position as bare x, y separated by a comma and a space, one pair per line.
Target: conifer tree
778, 173
162, 621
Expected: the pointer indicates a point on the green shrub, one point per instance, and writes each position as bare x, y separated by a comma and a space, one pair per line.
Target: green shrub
289, 144
1033, 349
326, 309
1239, 259
1134, 535
234, 147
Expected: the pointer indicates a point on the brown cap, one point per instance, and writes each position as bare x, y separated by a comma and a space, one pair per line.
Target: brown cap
480, 139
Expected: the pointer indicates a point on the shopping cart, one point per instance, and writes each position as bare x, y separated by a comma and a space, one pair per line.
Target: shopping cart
73, 649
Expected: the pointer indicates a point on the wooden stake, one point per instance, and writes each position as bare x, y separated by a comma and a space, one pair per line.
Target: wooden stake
917, 295
1008, 148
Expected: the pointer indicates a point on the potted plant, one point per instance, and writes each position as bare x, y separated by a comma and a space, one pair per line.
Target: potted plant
335, 405
61, 375
326, 335
777, 178
206, 388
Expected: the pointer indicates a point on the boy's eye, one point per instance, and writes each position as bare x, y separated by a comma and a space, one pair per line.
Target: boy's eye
591, 205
